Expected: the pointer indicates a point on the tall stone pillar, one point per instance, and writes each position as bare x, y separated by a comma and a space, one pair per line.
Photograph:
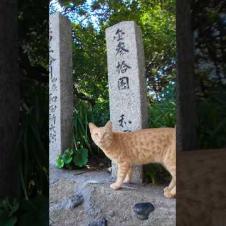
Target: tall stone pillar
60, 86
127, 89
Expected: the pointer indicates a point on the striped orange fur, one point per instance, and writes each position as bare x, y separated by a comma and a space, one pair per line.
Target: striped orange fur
156, 145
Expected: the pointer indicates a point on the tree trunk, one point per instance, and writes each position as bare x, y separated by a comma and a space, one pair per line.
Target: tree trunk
186, 108
9, 99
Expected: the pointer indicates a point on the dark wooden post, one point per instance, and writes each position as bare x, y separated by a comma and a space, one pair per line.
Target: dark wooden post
186, 107
9, 98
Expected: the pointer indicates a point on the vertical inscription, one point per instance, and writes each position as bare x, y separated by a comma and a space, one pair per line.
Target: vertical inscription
53, 91
60, 86
127, 92
122, 67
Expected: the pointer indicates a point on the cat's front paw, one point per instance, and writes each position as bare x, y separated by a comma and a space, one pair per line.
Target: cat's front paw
115, 186
127, 181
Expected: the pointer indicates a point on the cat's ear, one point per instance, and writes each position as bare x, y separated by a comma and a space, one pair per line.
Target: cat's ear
91, 126
108, 125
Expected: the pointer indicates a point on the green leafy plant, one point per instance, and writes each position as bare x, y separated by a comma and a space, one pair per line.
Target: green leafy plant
77, 156
156, 174
33, 212
8, 209
33, 140
162, 114
65, 159
84, 113
83, 148
59, 162
82, 116
80, 156
211, 119
162, 111
22, 212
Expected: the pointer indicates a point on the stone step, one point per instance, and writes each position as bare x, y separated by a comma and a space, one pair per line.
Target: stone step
100, 201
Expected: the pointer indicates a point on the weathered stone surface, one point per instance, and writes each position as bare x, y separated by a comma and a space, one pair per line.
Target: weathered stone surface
101, 201
101, 222
143, 210
56, 194
74, 201
127, 90
60, 86
67, 203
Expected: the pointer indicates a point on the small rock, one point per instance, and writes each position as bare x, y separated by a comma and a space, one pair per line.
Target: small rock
74, 201
101, 222
143, 210
111, 213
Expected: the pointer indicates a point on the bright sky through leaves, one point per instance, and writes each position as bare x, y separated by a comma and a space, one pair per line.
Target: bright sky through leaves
74, 17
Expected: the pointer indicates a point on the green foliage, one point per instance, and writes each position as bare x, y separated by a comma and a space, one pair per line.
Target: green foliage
84, 113
82, 144
210, 71
157, 21
80, 156
82, 116
33, 36
59, 162
77, 156
89, 50
162, 111
156, 174
212, 119
162, 114
33, 140
8, 208
67, 156
100, 112
33, 212
32, 148
16, 212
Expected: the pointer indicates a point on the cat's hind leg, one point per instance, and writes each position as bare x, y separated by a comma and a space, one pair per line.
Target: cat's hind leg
129, 175
121, 174
172, 183
170, 193
170, 190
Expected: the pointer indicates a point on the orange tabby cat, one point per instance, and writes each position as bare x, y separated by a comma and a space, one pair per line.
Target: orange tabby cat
157, 145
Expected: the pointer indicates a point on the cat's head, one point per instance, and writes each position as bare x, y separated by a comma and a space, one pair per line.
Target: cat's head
102, 136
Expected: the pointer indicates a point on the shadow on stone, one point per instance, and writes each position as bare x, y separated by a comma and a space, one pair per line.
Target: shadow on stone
74, 201
101, 222
143, 210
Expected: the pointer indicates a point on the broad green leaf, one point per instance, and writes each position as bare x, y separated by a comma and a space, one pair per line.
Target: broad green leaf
67, 159
81, 157
59, 163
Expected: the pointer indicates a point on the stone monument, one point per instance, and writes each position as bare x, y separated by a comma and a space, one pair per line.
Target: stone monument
60, 85
127, 89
